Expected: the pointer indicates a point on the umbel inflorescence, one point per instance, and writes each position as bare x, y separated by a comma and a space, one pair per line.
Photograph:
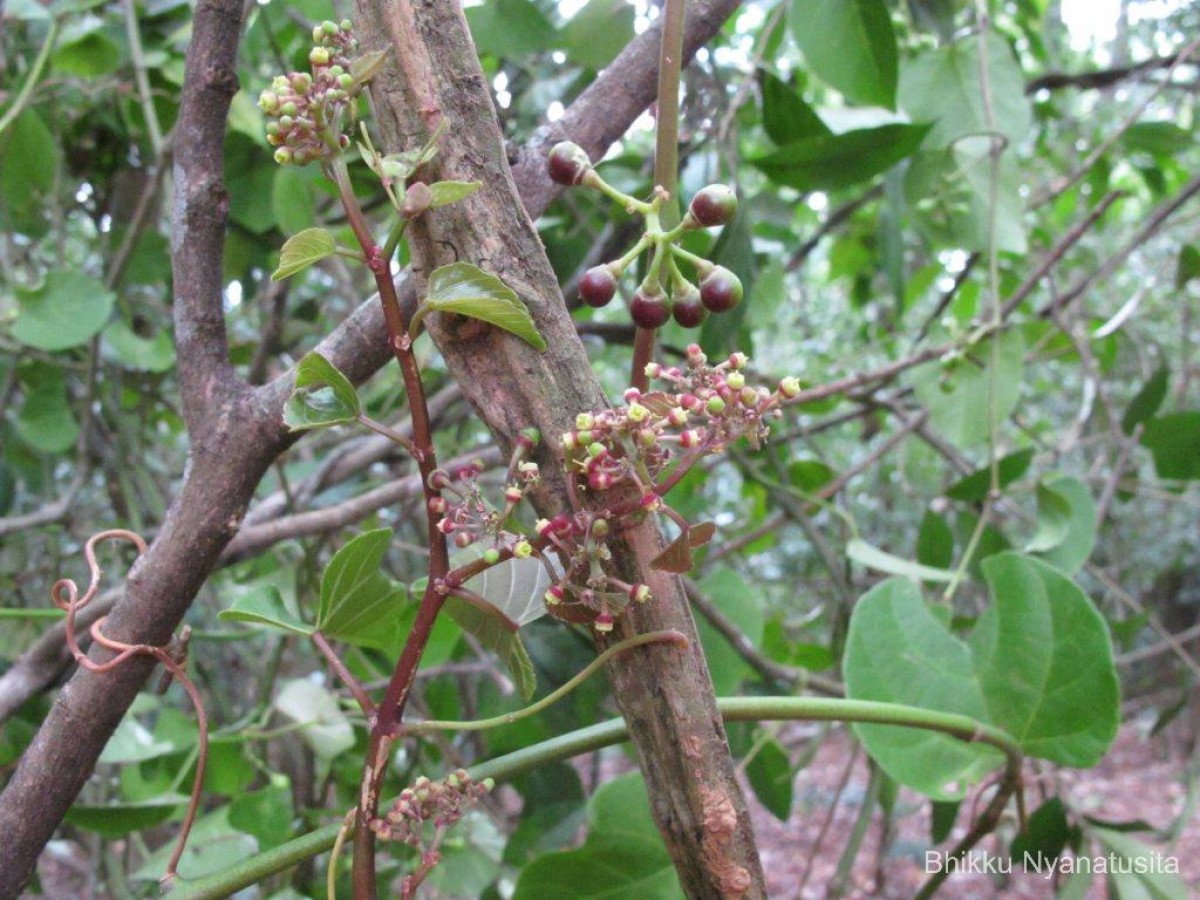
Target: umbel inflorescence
305, 110
621, 463
665, 291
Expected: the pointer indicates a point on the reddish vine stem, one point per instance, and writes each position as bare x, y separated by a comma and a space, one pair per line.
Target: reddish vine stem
386, 723
65, 594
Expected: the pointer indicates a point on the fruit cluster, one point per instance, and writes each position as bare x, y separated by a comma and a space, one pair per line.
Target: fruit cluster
304, 111
665, 291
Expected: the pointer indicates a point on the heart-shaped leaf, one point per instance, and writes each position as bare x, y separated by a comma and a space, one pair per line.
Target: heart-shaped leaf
359, 604
302, 250
467, 290
322, 397
1038, 665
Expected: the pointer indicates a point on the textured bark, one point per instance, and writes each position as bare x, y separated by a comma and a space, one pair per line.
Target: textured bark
236, 432
665, 694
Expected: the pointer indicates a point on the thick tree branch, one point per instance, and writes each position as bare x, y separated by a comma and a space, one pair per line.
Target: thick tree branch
512, 386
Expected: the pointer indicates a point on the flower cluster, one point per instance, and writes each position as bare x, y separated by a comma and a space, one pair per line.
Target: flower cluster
468, 516
304, 111
439, 803
665, 291
704, 408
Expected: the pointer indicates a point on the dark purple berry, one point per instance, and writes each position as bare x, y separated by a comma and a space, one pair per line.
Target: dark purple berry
714, 205
567, 163
649, 310
597, 286
687, 308
721, 290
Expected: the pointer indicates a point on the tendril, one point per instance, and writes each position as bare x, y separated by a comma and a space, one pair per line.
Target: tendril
66, 596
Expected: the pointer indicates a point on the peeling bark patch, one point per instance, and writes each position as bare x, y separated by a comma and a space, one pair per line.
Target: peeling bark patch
693, 747
720, 831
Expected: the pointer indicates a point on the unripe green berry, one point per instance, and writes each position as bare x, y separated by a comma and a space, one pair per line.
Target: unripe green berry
491, 556
790, 387
319, 56
735, 380
715, 406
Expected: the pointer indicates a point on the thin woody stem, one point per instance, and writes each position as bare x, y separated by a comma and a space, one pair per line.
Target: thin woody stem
666, 157
389, 713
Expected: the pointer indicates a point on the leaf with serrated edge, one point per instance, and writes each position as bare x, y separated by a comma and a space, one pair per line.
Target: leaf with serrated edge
322, 396
467, 290
359, 604
302, 250
446, 192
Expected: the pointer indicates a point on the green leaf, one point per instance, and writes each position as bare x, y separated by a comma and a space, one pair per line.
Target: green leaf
836, 161
213, 846
88, 56
131, 742
68, 309
1144, 872
1174, 439
302, 250
326, 728
943, 86
1038, 665
957, 397
446, 192
1069, 509
114, 820
140, 354
1053, 520
1188, 265
1046, 833
516, 587
322, 397
293, 202
1157, 138
29, 157
365, 67
622, 857
467, 290
265, 814
1147, 401
264, 606
786, 117
935, 542
850, 45
598, 32
46, 421
742, 604
950, 193
1044, 657
499, 634
359, 604
510, 29
881, 561
974, 487
897, 651
770, 774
